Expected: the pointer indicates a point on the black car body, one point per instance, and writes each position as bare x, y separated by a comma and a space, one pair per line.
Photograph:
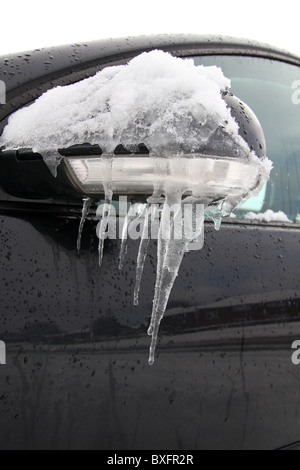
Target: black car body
76, 373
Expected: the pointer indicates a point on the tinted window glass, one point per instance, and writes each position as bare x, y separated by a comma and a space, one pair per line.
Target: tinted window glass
267, 87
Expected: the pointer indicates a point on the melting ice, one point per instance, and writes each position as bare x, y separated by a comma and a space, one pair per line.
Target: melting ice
87, 202
174, 108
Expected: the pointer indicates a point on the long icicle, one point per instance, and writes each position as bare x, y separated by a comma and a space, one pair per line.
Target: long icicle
171, 249
87, 202
106, 181
161, 251
160, 296
143, 249
134, 212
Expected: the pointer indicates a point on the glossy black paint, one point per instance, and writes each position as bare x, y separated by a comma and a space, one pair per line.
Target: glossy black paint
77, 375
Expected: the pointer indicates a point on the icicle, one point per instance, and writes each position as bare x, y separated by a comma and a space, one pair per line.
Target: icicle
123, 249
150, 214
106, 181
135, 211
161, 250
171, 248
164, 277
52, 158
103, 224
217, 219
215, 214
87, 202
170, 251
162, 247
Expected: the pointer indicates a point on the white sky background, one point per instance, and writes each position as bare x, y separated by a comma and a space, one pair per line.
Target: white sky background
31, 24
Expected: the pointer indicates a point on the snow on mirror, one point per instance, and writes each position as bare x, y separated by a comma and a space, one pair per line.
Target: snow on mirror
204, 156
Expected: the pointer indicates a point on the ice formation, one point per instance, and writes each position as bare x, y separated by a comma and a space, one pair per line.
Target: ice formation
150, 215
135, 211
87, 202
176, 109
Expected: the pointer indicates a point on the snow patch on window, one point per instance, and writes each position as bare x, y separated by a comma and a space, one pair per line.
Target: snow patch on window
268, 216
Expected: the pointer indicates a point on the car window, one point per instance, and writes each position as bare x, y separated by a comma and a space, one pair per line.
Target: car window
267, 87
